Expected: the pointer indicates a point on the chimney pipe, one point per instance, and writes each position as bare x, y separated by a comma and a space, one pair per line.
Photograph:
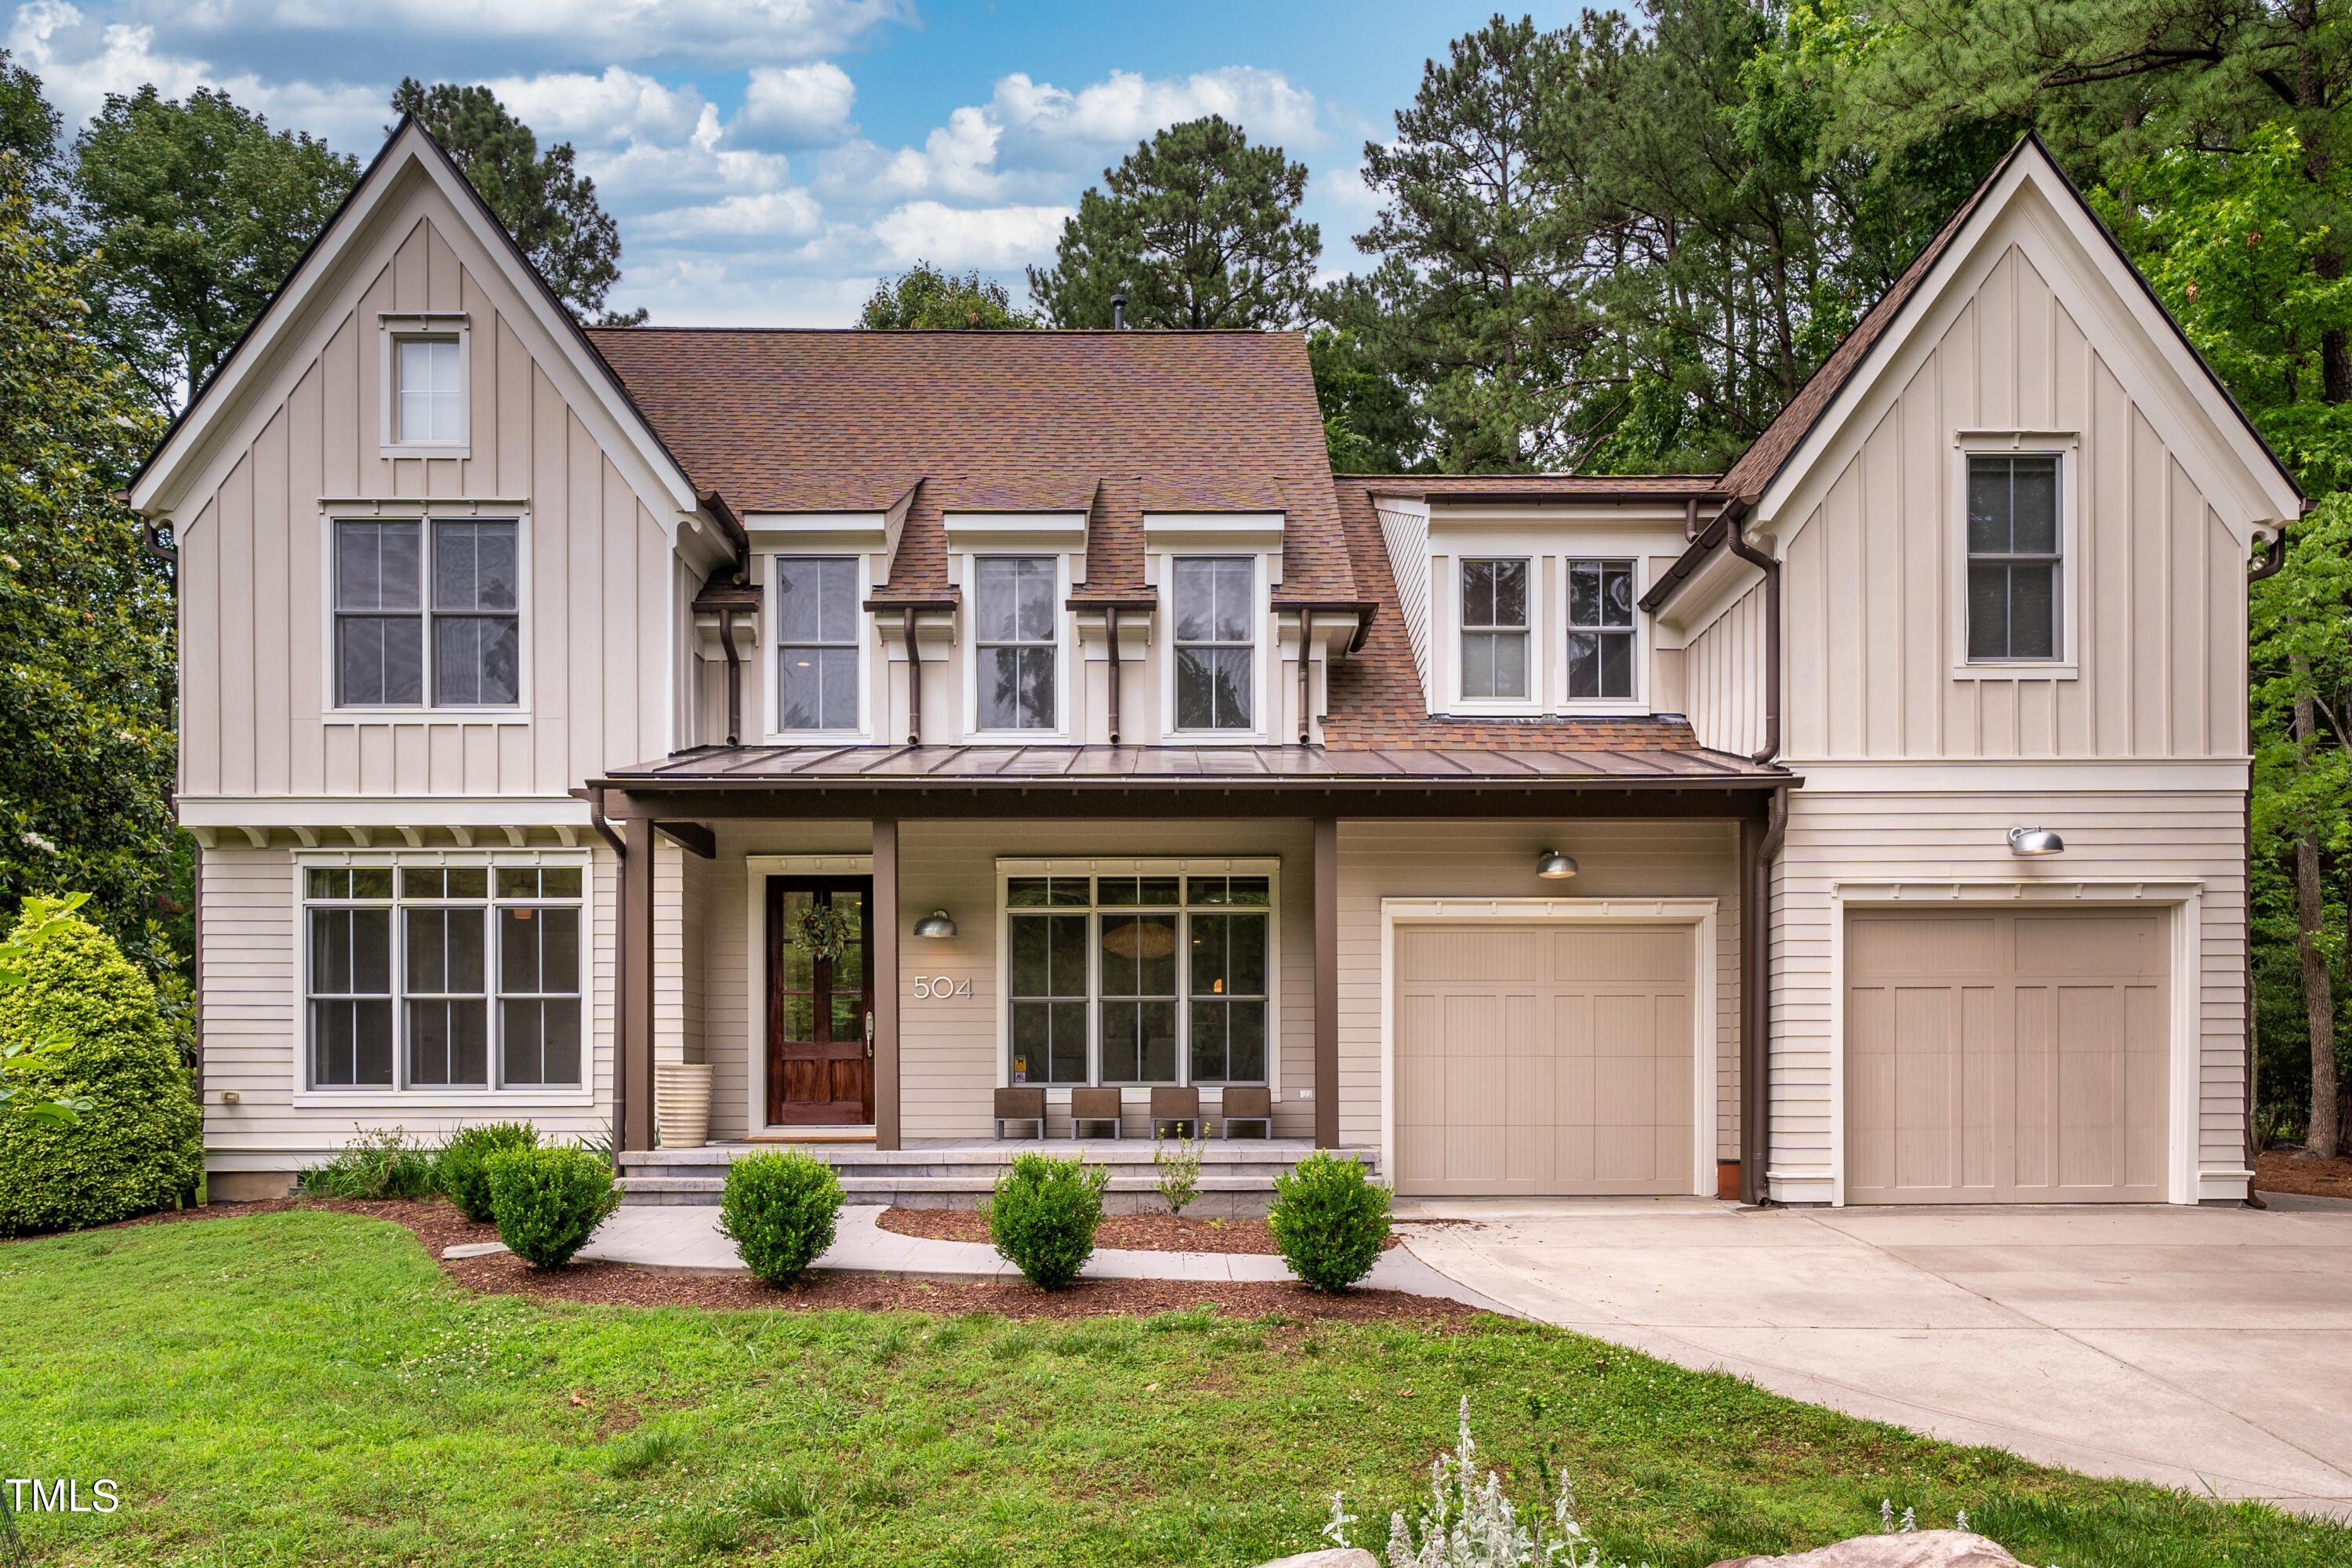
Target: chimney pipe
1118, 307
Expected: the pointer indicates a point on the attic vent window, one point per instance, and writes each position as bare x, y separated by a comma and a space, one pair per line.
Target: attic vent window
429, 389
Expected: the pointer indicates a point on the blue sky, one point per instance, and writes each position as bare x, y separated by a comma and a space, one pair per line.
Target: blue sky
768, 160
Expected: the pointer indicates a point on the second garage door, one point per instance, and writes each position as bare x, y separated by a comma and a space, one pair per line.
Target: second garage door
1543, 1059
2005, 1057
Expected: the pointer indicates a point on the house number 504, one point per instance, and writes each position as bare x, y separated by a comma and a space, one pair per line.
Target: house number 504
941, 987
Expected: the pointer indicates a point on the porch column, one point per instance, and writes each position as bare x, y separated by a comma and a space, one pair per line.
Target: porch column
633, 1073
1326, 983
886, 936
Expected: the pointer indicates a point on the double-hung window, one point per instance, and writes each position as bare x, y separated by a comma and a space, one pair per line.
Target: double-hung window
443, 977
1216, 651
428, 391
816, 624
395, 643
1139, 980
2016, 556
1493, 630
1600, 629
1019, 642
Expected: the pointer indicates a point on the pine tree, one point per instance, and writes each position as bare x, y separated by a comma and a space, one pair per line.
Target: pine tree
1198, 227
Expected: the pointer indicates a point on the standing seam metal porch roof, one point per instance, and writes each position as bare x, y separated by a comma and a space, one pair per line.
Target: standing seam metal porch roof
867, 766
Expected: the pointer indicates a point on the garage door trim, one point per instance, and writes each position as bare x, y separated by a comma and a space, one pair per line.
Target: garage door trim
1699, 914
2183, 900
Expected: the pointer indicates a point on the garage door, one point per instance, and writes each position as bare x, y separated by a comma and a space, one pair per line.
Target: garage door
2005, 1057
1542, 1059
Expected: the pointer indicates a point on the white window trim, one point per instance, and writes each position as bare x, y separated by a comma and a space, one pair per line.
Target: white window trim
426, 514
1138, 1095
346, 1098
1698, 914
2066, 446
1639, 702
393, 330
1264, 654
1539, 661
765, 571
2185, 899
1065, 641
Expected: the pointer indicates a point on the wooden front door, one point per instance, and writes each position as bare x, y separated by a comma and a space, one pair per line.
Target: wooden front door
820, 1006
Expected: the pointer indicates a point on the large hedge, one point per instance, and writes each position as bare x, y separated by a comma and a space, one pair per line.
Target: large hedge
140, 1145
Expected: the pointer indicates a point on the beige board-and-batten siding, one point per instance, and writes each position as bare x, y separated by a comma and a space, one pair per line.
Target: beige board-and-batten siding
951, 1055
255, 1041
600, 577
2156, 667
1464, 858
2137, 849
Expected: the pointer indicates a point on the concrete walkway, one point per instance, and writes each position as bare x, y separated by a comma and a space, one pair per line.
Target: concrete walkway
684, 1238
2204, 1348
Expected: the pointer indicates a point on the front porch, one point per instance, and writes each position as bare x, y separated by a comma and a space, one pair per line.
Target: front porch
1236, 1175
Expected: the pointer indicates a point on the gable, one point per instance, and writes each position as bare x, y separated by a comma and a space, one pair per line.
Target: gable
2027, 210
412, 236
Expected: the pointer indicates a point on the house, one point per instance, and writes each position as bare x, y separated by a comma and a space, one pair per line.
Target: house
885, 719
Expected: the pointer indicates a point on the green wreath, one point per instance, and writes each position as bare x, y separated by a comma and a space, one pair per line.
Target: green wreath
827, 933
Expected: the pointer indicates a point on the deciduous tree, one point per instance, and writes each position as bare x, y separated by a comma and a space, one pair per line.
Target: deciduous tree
926, 297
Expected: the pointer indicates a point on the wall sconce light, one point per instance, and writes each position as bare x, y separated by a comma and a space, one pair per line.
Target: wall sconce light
1555, 866
2035, 841
936, 923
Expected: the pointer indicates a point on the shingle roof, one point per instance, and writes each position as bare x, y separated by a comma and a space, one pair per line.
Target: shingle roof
1537, 488
837, 421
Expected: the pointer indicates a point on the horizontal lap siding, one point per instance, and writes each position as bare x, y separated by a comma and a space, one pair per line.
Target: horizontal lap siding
1450, 858
1929, 838
254, 1039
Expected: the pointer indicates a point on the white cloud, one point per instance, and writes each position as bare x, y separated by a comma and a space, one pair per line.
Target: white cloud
994, 237
1128, 107
731, 32
771, 214
620, 105
1346, 192
804, 104
79, 62
701, 165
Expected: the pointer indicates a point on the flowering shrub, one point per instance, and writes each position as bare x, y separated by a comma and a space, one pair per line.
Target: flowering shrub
1177, 1170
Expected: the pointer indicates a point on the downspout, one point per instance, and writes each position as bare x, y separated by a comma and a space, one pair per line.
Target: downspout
2272, 559
620, 981
914, 678
1756, 1064
1735, 515
1690, 520
734, 677
1306, 677
1110, 637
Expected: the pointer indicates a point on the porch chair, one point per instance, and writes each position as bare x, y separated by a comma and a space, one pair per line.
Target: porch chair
1094, 1105
1249, 1105
1182, 1106
1018, 1104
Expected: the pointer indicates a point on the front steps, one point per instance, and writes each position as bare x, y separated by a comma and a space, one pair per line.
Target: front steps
1236, 1178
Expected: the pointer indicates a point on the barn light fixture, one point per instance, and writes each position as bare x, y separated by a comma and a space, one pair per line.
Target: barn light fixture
936, 923
2035, 841
1554, 865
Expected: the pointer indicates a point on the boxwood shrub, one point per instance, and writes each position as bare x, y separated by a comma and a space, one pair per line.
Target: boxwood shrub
549, 1202
140, 1145
462, 1170
1043, 1217
780, 1208
1330, 1219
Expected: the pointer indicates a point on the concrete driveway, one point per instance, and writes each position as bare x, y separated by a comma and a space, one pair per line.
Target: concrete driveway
2209, 1348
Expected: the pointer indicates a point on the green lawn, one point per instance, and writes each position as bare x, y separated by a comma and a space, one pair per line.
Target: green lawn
307, 1388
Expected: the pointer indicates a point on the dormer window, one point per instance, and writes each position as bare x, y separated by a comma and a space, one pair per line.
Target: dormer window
1600, 630
817, 641
1493, 629
423, 385
1216, 652
1019, 642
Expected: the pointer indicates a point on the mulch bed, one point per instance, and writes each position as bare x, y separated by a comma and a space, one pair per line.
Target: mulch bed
1129, 1232
2284, 1171
439, 1225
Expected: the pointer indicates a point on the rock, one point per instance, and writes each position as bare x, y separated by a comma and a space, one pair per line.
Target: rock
1330, 1557
1920, 1548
